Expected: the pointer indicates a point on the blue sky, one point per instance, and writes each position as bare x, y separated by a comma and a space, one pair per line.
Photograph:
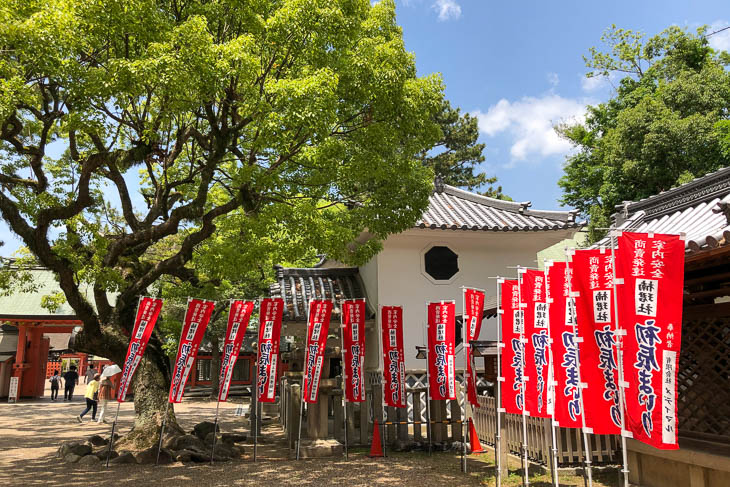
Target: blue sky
518, 66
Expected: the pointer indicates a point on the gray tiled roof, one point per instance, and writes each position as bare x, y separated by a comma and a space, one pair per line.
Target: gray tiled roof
700, 209
456, 209
298, 285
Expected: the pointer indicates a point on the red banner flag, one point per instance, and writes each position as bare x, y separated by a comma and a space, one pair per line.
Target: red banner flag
513, 351
441, 345
537, 354
353, 336
196, 321
650, 309
269, 341
593, 283
147, 313
473, 312
238, 317
394, 359
320, 311
564, 347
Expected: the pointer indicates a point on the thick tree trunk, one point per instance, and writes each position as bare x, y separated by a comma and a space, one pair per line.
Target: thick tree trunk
215, 366
150, 384
150, 406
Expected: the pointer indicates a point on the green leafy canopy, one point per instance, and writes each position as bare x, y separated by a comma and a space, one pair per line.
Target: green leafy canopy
665, 125
140, 136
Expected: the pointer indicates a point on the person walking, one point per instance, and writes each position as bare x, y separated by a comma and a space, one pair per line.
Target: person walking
55, 384
91, 396
105, 395
70, 379
90, 373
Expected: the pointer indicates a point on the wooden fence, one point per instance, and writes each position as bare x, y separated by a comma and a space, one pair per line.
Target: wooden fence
604, 448
361, 415
569, 440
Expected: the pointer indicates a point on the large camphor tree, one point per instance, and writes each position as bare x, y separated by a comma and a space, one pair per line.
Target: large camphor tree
665, 124
130, 129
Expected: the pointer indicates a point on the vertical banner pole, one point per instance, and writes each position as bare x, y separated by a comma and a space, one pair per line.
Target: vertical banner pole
344, 375
162, 432
465, 348
551, 386
428, 391
111, 440
215, 425
383, 409
587, 450
254, 412
521, 315
498, 436
619, 352
301, 414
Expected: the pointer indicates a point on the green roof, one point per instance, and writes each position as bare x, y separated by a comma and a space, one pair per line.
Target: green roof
556, 252
28, 304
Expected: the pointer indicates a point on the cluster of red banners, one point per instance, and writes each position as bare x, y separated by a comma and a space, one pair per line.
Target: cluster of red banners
197, 317
570, 315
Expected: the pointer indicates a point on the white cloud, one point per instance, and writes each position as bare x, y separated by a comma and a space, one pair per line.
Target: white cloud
595, 83
447, 9
721, 40
553, 79
529, 123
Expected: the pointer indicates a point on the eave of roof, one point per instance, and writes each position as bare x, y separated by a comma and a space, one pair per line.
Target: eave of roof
296, 286
456, 209
699, 209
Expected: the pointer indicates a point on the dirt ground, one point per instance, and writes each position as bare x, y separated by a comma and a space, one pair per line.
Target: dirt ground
30, 433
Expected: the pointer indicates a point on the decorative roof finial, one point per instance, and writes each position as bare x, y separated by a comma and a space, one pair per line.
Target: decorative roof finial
438, 184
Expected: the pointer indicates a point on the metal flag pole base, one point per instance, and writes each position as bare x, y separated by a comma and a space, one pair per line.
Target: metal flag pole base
301, 413
162, 433
111, 440
256, 427
525, 465
215, 431
587, 461
347, 454
554, 455
384, 436
498, 458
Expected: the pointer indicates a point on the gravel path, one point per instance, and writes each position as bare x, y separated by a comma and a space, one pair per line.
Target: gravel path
30, 433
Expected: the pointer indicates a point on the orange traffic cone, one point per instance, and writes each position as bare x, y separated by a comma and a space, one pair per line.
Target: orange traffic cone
476, 446
376, 448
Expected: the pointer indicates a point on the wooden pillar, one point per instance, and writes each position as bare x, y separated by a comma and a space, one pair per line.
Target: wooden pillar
403, 428
339, 417
437, 429
20, 365
317, 417
292, 421
390, 429
365, 408
417, 416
